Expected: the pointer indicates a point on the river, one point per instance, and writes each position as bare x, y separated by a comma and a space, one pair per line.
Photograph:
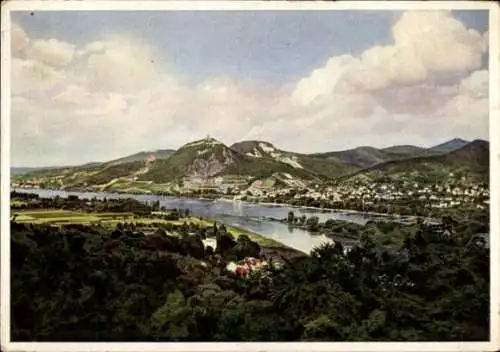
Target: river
248, 216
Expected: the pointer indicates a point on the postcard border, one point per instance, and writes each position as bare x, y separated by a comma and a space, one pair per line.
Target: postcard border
494, 92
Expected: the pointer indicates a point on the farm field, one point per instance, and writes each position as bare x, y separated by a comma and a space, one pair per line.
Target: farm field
65, 217
60, 217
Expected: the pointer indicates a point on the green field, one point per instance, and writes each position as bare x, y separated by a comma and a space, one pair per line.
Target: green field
64, 217
58, 217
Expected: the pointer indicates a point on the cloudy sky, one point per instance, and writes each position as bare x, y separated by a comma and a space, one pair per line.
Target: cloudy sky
93, 86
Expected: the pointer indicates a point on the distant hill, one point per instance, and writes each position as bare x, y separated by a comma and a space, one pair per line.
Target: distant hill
21, 170
471, 160
361, 157
142, 156
448, 146
474, 155
403, 149
49, 170
409, 151
366, 157
325, 167
96, 172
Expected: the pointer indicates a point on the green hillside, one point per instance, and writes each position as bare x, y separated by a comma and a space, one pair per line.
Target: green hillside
315, 165
470, 161
449, 146
408, 151
142, 156
248, 161
361, 157
210, 158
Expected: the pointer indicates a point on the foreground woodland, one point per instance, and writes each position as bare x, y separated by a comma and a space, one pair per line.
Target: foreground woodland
80, 282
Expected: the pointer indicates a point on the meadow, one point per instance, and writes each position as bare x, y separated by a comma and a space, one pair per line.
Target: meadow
110, 220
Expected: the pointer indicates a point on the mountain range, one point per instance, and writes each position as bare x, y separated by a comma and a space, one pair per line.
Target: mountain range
469, 160
249, 161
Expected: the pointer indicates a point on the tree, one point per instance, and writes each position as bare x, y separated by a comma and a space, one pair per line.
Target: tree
302, 219
224, 243
313, 224
86, 283
245, 248
171, 321
329, 223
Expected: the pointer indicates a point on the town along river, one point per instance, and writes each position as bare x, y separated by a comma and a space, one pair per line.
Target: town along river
248, 216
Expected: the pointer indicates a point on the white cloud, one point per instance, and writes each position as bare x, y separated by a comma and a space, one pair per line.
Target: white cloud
476, 85
428, 46
119, 64
33, 76
19, 40
118, 95
441, 42
323, 81
51, 52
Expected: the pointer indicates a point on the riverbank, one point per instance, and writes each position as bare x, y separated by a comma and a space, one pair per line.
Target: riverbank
60, 217
232, 200
245, 216
330, 210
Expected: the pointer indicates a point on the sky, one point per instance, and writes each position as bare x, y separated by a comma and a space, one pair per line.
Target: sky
94, 86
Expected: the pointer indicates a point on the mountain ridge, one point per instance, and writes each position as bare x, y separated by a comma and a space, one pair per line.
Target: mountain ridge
450, 145
142, 155
248, 161
472, 159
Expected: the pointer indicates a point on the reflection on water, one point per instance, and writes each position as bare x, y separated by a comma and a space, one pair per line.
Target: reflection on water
244, 215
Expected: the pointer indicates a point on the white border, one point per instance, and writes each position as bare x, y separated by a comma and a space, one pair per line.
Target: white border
494, 98
494, 67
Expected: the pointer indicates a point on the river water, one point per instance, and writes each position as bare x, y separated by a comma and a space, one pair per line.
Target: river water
248, 216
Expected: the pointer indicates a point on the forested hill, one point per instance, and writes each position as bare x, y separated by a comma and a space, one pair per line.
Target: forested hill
470, 161
86, 284
241, 164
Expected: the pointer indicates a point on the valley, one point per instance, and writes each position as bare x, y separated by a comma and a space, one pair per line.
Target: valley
401, 179
254, 173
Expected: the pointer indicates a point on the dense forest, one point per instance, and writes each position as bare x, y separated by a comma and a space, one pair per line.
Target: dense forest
85, 283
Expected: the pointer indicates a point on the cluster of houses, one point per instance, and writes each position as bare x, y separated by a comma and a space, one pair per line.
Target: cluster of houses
454, 193
36, 183
243, 268
216, 184
246, 266
446, 195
